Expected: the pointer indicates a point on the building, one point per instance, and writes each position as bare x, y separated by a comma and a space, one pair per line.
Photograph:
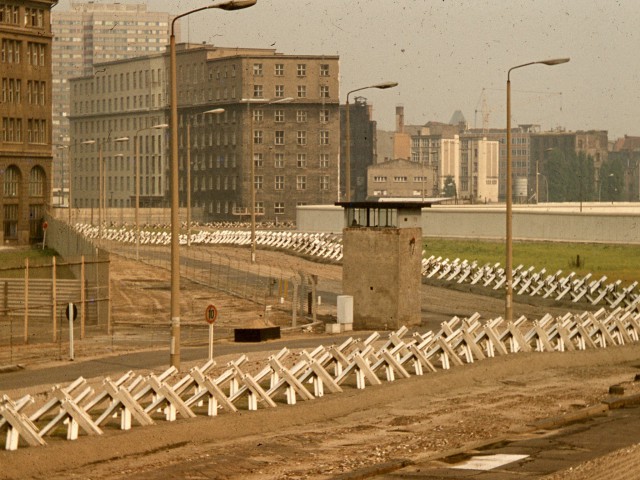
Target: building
478, 180
279, 113
399, 179
25, 143
363, 147
87, 34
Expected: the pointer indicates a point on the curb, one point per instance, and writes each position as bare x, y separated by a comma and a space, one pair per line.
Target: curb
11, 368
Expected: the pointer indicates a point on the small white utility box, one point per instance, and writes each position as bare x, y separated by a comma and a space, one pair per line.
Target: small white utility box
345, 309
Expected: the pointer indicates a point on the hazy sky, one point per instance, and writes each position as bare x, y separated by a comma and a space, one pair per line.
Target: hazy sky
446, 53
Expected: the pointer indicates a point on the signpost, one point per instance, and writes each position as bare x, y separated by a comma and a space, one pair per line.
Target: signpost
44, 235
210, 315
72, 313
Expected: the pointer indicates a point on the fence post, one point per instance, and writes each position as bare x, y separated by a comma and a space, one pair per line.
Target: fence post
26, 300
108, 280
54, 298
82, 297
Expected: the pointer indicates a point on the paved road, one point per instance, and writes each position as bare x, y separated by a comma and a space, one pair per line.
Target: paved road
157, 359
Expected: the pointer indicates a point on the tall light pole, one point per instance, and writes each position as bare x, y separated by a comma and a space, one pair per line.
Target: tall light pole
101, 186
546, 180
347, 153
174, 349
136, 146
600, 187
215, 111
252, 166
508, 267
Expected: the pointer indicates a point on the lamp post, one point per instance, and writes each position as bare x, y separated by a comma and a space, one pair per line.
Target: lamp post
216, 111
509, 199
347, 156
101, 187
546, 181
600, 187
174, 352
252, 166
136, 140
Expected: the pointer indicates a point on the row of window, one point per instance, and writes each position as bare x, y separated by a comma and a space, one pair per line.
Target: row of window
279, 160
10, 52
399, 179
279, 115
10, 14
12, 179
301, 91
301, 70
12, 91
12, 130
301, 137
279, 182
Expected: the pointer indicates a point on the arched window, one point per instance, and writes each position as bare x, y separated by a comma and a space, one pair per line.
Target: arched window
36, 182
11, 181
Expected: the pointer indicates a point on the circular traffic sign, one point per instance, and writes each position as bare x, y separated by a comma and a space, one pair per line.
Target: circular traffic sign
211, 314
44, 225
71, 312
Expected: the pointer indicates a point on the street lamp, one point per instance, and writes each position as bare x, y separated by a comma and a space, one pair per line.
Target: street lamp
215, 111
347, 156
136, 140
546, 181
252, 166
600, 187
174, 352
509, 200
101, 188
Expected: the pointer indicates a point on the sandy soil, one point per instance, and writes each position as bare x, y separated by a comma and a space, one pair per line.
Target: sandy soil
415, 418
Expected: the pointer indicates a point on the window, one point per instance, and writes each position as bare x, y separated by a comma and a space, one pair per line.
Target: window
257, 136
324, 160
258, 115
279, 137
301, 182
278, 160
279, 69
301, 137
279, 183
301, 116
324, 137
324, 70
302, 69
11, 182
278, 116
257, 69
259, 208
257, 91
257, 160
279, 91
302, 91
257, 182
379, 179
400, 179
36, 182
301, 160
324, 91
278, 208
324, 182
324, 115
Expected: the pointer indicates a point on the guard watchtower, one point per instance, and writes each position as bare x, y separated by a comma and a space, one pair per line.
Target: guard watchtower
382, 261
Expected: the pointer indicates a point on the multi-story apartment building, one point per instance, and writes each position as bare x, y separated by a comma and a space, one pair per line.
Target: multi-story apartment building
400, 179
363, 151
279, 112
478, 180
86, 34
25, 112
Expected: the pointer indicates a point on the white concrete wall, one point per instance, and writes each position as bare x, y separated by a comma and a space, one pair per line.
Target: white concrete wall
598, 222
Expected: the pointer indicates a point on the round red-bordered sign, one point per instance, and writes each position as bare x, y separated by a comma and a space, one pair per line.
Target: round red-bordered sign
44, 225
211, 314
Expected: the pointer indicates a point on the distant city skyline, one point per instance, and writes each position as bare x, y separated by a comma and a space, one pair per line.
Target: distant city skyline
446, 54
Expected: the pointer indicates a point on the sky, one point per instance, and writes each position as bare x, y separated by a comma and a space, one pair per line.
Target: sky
450, 55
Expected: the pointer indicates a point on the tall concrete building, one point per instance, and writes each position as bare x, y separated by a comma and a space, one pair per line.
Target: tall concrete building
87, 34
25, 112
280, 122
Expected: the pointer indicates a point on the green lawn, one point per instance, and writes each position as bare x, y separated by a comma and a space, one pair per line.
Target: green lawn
617, 262
12, 261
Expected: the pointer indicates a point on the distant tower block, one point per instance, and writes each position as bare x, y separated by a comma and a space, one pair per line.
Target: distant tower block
382, 259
